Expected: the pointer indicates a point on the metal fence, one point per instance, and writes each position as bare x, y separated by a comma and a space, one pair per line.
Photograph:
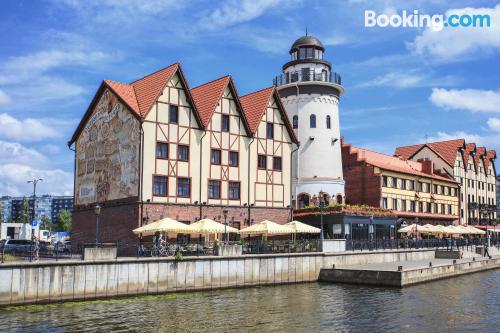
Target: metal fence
390, 244
281, 246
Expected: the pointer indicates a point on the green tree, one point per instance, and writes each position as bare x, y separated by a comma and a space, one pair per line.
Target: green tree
45, 223
63, 222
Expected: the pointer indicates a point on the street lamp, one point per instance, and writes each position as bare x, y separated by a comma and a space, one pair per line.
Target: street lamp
97, 211
34, 182
225, 211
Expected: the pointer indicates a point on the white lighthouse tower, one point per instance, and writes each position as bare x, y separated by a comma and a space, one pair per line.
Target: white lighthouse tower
310, 92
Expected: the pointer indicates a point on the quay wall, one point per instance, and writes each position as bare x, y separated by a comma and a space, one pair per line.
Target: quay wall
46, 282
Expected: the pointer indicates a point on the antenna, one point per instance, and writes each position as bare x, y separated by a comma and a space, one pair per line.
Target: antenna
306, 30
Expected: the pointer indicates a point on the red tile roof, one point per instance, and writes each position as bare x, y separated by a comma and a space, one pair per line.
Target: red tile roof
470, 148
149, 88
126, 92
141, 94
255, 105
208, 95
446, 149
396, 164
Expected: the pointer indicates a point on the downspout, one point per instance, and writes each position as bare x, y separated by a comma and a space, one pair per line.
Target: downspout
248, 177
291, 179
141, 160
201, 172
74, 176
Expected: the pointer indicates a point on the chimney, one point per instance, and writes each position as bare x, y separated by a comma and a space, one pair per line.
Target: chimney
427, 166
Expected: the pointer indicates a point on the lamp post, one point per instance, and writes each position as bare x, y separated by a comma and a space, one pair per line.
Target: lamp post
416, 230
225, 211
33, 214
97, 211
321, 205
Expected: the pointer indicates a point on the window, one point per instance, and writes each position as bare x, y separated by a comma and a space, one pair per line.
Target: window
162, 150
225, 123
420, 207
443, 209
183, 153
234, 191
302, 53
233, 158
412, 206
295, 121
160, 186
395, 204
384, 181
394, 182
449, 210
214, 189
216, 158
435, 189
173, 114
183, 187
403, 205
328, 122
412, 185
312, 121
277, 163
262, 162
419, 186
384, 203
270, 131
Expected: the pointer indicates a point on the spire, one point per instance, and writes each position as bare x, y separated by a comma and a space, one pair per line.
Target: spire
306, 30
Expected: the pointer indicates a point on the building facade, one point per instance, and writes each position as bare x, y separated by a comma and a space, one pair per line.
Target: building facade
472, 167
498, 198
310, 92
157, 148
414, 190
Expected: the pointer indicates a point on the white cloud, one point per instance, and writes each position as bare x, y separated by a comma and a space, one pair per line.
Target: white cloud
234, 12
25, 130
14, 177
466, 99
444, 136
4, 98
409, 79
494, 124
14, 152
18, 164
455, 44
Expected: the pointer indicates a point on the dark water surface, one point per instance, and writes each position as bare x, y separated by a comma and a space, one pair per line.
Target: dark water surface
466, 304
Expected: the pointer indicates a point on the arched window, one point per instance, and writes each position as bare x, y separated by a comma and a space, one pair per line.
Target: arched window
295, 121
303, 200
312, 121
328, 122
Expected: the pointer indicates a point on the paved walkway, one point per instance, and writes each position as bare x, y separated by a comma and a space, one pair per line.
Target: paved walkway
407, 265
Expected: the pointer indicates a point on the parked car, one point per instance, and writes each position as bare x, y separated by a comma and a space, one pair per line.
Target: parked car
15, 246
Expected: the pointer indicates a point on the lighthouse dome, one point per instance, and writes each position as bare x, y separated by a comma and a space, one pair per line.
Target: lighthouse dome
305, 41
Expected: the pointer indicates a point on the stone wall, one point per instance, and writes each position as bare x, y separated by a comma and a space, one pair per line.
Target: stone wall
24, 283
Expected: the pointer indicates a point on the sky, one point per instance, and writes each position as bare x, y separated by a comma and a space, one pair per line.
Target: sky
402, 85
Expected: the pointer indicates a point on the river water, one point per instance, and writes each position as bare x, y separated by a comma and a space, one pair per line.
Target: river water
464, 304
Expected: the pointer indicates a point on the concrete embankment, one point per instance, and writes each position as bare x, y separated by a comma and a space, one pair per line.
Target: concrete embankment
44, 282
401, 274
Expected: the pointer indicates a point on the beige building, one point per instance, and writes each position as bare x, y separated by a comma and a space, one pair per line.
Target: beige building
472, 167
410, 189
157, 148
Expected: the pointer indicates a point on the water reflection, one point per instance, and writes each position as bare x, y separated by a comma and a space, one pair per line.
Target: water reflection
468, 303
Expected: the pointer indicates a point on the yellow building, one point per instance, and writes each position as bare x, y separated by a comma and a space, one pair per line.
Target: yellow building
411, 189
156, 148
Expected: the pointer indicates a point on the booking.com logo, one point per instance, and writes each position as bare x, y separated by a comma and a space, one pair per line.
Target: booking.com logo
416, 20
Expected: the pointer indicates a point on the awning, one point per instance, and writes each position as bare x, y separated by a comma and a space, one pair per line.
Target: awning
165, 225
210, 227
302, 228
267, 228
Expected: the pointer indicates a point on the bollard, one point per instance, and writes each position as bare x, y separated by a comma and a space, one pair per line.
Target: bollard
473, 258
454, 261
400, 268
333, 266
430, 263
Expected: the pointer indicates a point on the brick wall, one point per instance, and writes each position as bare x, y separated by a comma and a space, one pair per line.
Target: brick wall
117, 222
363, 186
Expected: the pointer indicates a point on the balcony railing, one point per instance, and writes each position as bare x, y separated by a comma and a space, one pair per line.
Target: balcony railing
307, 76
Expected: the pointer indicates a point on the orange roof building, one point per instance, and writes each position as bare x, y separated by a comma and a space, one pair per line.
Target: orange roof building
472, 167
156, 148
413, 190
